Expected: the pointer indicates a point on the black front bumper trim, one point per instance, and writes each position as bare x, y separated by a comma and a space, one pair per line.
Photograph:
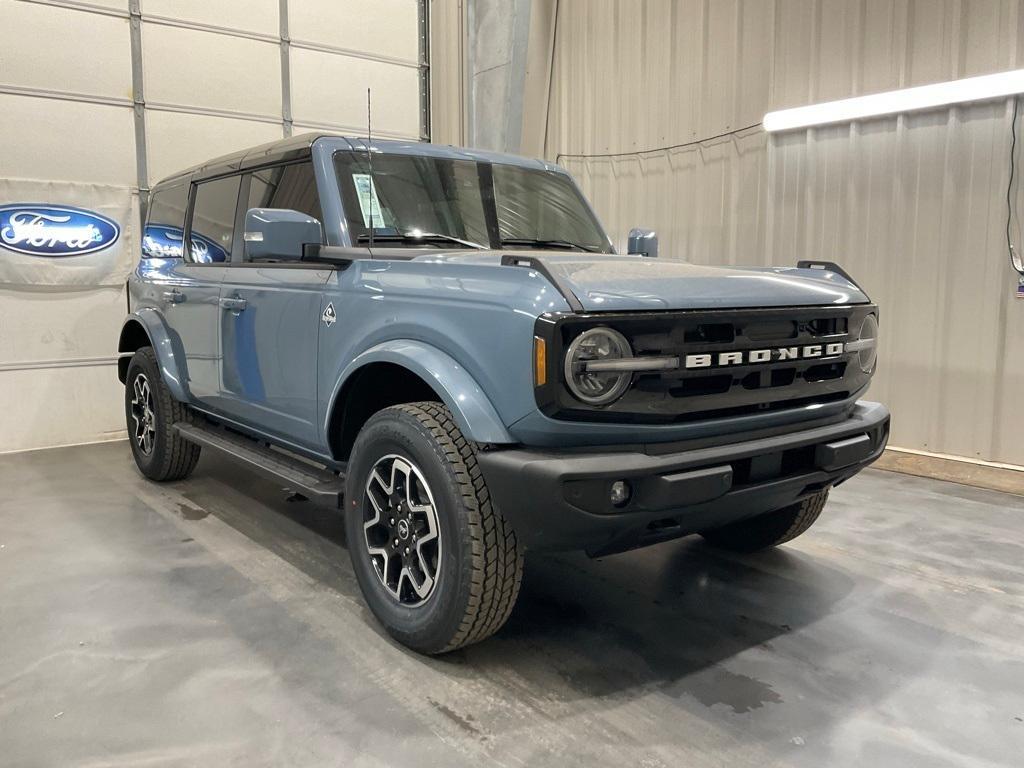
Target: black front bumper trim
560, 499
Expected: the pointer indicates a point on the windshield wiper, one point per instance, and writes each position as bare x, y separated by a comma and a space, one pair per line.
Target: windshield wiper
538, 243
419, 237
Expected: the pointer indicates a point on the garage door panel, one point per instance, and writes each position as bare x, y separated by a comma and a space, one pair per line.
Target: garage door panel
258, 16
37, 143
207, 92
178, 141
331, 89
211, 70
114, 5
49, 45
382, 27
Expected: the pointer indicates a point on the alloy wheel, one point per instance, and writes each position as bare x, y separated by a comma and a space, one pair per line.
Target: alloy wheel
143, 415
401, 530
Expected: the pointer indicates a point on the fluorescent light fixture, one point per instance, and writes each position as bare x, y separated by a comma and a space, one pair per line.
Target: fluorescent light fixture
921, 97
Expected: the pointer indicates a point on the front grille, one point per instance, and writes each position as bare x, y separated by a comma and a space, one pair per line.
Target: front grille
714, 389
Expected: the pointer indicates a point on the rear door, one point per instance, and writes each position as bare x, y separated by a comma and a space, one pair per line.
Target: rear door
192, 291
270, 321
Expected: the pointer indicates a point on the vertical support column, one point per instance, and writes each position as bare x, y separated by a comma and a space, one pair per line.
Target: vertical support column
424, 40
139, 109
498, 37
286, 70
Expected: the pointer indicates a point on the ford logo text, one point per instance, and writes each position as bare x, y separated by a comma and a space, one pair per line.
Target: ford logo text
49, 230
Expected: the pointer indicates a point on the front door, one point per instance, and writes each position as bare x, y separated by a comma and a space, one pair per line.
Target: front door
269, 326
270, 319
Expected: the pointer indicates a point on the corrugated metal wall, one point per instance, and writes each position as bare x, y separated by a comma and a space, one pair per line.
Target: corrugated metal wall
913, 206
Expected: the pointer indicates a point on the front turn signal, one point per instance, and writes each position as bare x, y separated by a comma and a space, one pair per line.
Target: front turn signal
540, 362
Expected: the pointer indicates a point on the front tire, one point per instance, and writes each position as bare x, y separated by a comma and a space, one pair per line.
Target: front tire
770, 529
150, 411
437, 563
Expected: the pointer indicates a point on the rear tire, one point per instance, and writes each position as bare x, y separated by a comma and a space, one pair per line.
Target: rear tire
150, 411
437, 562
769, 529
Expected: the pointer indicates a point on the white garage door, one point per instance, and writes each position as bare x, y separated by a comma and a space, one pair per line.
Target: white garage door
99, 99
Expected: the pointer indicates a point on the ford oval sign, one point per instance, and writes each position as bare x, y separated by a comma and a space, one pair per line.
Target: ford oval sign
55, 230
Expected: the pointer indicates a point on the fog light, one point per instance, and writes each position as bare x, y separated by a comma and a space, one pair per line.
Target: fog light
620, 493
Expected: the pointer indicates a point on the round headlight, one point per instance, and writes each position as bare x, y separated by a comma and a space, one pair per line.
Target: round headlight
589, 384
868, 343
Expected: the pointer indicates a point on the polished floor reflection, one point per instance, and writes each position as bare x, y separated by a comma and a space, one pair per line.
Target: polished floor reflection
213, 622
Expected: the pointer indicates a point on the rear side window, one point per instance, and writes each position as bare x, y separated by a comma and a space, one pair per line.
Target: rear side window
213, 220
286, 186
165, 224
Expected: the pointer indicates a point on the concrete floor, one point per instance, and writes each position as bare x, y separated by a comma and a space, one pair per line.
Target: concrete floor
212, 623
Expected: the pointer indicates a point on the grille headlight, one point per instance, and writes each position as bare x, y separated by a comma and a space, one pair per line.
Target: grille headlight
866, 345
597, 387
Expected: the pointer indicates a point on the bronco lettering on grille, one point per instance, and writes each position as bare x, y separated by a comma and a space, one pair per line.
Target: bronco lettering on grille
751, 356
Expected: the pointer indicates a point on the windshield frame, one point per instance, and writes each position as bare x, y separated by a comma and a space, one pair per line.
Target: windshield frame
484, 166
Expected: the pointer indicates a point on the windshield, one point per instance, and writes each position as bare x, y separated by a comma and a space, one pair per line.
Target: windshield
415, 201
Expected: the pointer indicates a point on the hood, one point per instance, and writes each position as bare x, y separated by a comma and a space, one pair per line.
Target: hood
610, 283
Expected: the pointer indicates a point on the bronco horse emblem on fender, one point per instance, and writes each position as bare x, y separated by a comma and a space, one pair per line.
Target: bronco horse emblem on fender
329, 316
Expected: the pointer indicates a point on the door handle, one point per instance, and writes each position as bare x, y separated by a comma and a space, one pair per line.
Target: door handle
174, 297
234, 304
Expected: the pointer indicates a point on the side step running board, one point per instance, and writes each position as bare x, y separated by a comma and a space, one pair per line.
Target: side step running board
312, 481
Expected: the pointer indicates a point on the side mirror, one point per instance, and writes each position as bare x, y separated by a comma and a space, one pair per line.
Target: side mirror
642, 242
278, 234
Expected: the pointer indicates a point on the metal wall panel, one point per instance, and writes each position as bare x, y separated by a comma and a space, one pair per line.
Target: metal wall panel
255, 16
330, 89
379, 28
245, 78
179, 140
913, 206
51, 57
31, 154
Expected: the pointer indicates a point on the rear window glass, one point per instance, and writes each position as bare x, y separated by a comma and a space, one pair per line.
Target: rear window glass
213, 220
164, 233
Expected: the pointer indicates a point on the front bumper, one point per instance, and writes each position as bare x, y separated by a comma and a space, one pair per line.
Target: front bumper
561, 499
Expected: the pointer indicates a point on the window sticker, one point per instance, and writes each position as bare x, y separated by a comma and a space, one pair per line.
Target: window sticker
368, 201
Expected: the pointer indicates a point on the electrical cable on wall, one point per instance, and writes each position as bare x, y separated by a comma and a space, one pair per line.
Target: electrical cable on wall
1015, 259
638, 152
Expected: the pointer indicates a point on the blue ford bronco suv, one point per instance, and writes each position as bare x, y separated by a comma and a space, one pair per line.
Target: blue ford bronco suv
444, 343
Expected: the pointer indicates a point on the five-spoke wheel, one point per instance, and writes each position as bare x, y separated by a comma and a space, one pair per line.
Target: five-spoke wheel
401, 529
150, 414
438, 564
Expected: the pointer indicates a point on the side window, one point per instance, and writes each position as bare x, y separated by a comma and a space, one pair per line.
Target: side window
213, 220
286, 186
165, 223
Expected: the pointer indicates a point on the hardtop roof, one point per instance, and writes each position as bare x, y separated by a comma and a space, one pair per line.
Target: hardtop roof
300, 147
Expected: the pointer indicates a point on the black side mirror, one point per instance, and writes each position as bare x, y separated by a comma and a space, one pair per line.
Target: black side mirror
279, 234
642, 242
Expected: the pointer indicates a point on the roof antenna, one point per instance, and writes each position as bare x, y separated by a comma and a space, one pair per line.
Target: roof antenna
369, 162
